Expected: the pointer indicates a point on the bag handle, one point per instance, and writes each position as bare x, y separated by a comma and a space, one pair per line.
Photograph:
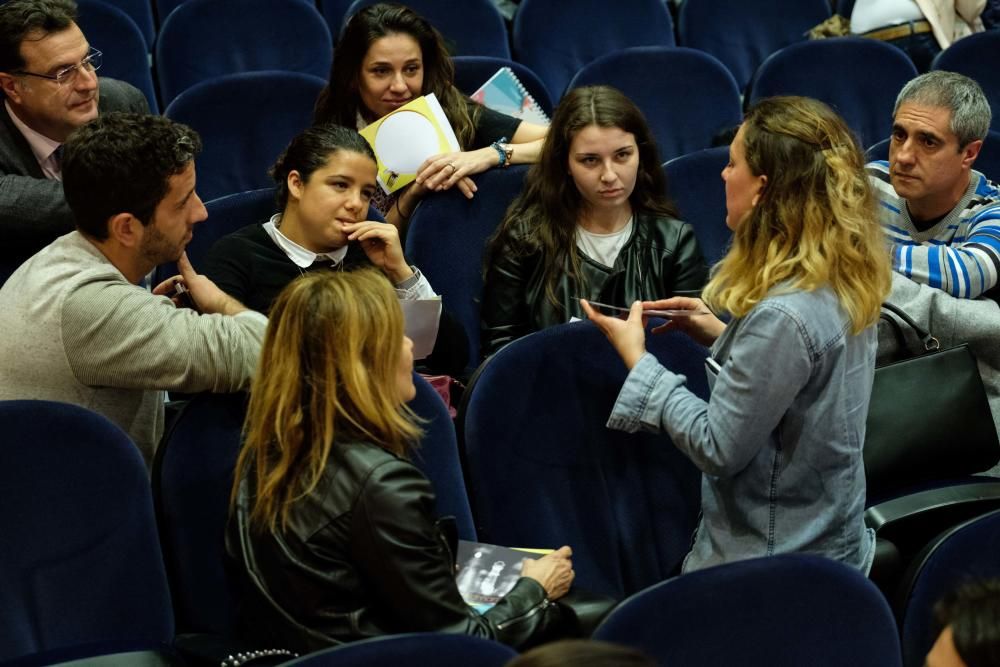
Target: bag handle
930, 342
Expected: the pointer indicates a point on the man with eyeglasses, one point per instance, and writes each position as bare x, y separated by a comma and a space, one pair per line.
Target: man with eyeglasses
50, 88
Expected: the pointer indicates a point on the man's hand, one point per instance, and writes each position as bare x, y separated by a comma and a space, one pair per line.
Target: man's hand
381, 243
207, 297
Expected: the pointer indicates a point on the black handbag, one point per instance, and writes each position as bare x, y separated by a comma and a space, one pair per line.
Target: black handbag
929, 418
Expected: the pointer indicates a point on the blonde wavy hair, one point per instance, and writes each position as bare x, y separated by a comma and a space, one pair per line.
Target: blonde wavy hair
815, 222
327, 373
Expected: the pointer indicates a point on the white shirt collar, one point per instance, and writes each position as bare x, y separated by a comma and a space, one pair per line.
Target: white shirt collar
41, 146
301, 257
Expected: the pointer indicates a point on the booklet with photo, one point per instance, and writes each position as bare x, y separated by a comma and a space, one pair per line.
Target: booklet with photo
505, 93
487, 572
404, 138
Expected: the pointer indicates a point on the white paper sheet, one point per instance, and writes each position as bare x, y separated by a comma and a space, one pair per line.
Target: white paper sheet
421, 318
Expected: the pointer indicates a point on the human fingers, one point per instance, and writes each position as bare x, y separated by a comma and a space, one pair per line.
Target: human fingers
187, 270
437, 172
167, 286
675, 303
467, 187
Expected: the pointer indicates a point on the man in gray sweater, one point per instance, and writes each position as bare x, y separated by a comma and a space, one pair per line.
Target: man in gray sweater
75, 323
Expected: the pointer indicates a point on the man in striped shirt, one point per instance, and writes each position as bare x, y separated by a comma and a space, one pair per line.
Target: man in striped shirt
941, 216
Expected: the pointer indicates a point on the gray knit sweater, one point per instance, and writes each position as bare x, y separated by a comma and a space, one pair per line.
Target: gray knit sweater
74, 329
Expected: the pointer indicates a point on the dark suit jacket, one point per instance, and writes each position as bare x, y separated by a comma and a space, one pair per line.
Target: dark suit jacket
33, 210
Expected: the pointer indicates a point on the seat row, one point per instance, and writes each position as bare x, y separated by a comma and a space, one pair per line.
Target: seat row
90, 571
246, 119
204, 39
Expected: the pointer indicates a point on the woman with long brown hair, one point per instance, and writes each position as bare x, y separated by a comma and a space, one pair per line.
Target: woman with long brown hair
388, 55
333, 531
593, 221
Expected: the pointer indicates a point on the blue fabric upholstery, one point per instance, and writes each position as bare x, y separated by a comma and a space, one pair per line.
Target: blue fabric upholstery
334, 12
437, 456
205, 39
966, 552
742, 34
165, 7
827, 69
126, 52
987, 163
555, 38
544, 470
471, 72
694, 184
686, 95
141, 12
780, 611
80, 562
447, 237
439, 650
975, 56
192, 478
469, 27
239, 147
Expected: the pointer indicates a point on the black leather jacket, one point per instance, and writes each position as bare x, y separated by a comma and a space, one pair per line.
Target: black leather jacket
661, 259
363, 556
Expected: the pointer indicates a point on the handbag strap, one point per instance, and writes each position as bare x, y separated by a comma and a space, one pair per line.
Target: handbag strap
930, 342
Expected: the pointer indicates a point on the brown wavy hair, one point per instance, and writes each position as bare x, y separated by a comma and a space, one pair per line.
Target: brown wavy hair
340, 102
327, 374
544, 216
815, 223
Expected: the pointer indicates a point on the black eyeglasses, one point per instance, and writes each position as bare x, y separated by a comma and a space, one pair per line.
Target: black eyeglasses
68, 74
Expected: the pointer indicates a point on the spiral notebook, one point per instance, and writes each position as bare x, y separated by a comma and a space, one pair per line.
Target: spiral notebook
505, 93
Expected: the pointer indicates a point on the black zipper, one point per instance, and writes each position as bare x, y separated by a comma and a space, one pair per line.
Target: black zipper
541, 606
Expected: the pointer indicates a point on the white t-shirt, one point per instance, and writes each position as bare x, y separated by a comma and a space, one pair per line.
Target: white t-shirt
603, 248
875, 14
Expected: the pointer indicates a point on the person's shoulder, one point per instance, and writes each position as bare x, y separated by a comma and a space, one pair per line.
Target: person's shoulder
987, 192
376, 467
816, 313
659, 229
251, 238
116, 95
878, 173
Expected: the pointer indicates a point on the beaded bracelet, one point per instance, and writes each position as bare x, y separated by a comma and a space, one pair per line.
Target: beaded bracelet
504, 152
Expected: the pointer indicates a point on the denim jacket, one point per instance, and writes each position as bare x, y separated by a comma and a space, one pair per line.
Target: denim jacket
779, 443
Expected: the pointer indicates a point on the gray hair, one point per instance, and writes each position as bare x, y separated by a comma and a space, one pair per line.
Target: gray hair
970, 111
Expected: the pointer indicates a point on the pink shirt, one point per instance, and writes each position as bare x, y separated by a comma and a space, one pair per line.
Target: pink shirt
41, 146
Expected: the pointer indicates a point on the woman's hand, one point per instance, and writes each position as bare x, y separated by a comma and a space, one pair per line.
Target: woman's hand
553, 571
703, 328
444, 171
381, 243
627, 336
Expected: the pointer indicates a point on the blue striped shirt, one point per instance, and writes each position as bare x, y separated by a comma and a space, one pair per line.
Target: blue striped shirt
961, 253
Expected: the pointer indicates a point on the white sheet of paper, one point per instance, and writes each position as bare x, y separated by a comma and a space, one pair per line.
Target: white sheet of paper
421, 318
404, 140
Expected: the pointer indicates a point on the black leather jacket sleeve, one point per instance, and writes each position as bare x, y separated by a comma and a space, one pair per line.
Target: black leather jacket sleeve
688, 265
408, 567
506, 313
